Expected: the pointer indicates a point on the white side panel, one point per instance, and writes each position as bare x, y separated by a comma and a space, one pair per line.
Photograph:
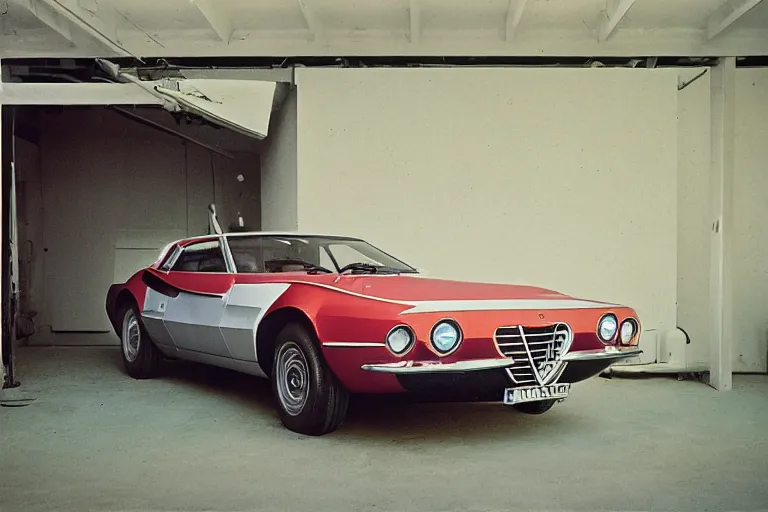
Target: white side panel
220, 326
193, 323
155, 305
246, 306
238, 326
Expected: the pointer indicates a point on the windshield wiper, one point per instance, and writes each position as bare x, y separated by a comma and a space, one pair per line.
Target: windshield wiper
374, 269
310, 267
399, 270
364, 267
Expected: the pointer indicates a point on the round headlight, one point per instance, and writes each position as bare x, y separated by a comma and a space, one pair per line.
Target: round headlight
445, 336
607, 327
628, 330
399, 339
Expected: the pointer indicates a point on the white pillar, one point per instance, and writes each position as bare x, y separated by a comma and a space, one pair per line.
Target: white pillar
723, 115
2, 340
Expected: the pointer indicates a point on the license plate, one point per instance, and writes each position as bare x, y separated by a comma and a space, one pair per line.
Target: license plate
536, 393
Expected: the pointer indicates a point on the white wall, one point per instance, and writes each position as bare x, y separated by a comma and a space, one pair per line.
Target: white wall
564, 178
108, 194
30, 218
749, 266
278, 170
2, 365
694, 226
750, 237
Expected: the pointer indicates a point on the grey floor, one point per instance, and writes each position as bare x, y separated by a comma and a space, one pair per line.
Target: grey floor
208, 439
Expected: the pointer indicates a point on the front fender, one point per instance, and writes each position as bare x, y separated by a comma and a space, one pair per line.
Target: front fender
341, 317
350, 331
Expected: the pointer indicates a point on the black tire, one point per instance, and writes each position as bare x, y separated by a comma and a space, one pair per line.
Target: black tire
539, 407
310, 399
147, 361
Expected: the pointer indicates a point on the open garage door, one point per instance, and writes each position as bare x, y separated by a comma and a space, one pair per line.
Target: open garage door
106, 188
244, 106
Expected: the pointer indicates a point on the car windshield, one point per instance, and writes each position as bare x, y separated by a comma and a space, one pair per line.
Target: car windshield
313, 254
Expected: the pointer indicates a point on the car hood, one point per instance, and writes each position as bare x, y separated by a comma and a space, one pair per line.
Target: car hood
409, 288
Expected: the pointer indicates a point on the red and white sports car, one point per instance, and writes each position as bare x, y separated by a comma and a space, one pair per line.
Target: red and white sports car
326, 316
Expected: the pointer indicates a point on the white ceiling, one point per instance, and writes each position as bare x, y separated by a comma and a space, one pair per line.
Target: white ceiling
199, 28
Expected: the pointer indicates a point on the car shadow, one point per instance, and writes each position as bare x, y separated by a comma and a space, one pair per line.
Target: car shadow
387, 419
243, 389
403, 421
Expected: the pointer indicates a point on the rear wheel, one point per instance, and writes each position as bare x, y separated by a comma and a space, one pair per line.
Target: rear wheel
310, 398
539, 407
141, 358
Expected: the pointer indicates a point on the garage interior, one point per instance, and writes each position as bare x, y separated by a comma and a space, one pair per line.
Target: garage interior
115, 177
612, 150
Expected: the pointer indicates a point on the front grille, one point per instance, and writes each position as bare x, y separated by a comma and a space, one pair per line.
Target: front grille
536, 351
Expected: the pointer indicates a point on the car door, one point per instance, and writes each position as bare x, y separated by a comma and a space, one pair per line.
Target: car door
199, 282
252, 294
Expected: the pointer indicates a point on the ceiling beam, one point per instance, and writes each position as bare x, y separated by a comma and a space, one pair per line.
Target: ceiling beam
59, 14
220, 23
727, 14
75, 94
51, 18
615, 11
415, 15
514, 15
315, 27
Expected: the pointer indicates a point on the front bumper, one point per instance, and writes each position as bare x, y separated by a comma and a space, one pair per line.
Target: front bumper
487, 379
411, 367
608, 355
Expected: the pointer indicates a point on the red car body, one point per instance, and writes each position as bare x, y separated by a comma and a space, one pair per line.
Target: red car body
510, 336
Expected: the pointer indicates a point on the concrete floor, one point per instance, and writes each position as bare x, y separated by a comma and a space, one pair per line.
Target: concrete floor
209, 439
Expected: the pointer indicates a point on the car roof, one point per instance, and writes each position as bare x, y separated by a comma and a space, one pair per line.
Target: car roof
263, 233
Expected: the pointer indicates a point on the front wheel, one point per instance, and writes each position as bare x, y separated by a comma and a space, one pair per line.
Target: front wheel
141, 357
310, 399
539, 407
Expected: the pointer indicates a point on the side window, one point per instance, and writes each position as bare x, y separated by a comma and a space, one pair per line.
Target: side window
170, 258
201, 257
247, 253
255, 255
